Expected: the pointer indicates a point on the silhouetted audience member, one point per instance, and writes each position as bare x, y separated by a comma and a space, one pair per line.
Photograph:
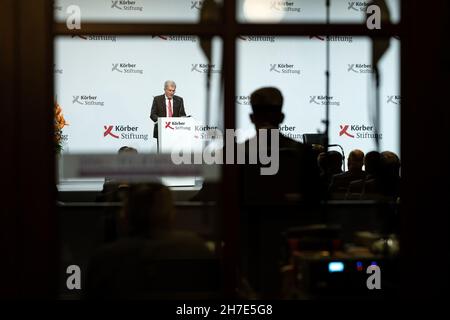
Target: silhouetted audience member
382, 181
113, 190
330, 164
152, 260
340, 182
390, 174
369, 185
298, 174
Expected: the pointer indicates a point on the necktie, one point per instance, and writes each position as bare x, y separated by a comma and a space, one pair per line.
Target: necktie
170, 107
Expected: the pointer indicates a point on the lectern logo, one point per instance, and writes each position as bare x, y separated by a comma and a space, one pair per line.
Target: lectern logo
168, 125
108, 131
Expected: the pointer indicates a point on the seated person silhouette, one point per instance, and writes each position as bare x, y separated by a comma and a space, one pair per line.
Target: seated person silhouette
297, 176
369, 187
113, 190
330, 164
152, 260
390, 174
340, 182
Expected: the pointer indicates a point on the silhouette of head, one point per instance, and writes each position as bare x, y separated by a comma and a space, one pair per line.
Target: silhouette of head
355, 160
148, 209
266, 106
127, 150
390, 164
330, 162
372, 162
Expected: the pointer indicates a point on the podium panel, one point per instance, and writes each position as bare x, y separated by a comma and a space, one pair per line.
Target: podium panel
175, 133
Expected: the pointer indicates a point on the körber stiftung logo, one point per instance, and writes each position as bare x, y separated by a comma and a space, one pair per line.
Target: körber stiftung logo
323, 100
87, 100
360, 68
176, 125
290, 132
204, 67
243, 100
196, 5
124, 132
126, 68
357, 6
206, 132
394, 99
258, 38
284, 6
356, 131
95, 38
176, 38
126, 5
285, 68
348, 39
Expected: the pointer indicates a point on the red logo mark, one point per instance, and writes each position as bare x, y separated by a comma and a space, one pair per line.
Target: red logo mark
161, 37
108, 130
318, 37
344, 131
80, 36
168, 125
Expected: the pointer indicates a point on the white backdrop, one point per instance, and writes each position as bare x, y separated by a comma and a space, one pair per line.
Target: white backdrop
110, 81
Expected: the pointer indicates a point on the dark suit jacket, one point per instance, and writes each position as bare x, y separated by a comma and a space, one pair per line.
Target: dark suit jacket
159, 110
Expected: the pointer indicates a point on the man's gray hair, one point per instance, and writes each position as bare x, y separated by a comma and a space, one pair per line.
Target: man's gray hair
169, 83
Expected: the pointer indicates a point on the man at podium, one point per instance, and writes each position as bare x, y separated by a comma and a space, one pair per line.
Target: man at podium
166, 105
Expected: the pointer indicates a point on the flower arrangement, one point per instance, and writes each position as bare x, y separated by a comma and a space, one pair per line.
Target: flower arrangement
60, 123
